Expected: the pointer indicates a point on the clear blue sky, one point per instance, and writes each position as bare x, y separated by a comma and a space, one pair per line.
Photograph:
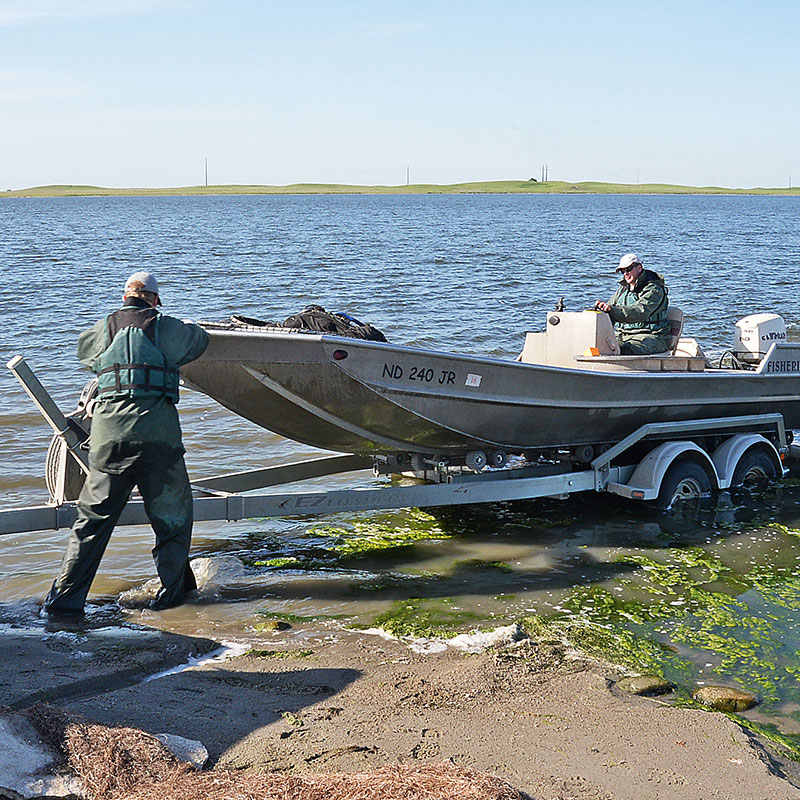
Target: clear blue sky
140, 92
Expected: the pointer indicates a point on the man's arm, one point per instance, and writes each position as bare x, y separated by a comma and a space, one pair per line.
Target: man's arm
91, 343
602, 306
650, 300
182, 341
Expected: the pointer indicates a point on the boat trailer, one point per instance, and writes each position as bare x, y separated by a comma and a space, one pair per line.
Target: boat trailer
667, 446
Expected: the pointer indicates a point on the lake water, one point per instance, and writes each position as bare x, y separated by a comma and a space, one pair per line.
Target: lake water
464, 273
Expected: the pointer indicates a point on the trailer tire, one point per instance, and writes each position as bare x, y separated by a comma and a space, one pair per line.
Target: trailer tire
755, 471
684, 480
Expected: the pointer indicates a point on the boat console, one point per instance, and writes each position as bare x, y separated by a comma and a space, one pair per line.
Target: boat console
586, 340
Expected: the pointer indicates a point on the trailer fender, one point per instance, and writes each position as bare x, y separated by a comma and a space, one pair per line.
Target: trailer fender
727, 455
645, 482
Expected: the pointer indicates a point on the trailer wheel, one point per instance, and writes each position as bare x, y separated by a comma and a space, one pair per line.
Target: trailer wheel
685, 480
754, 471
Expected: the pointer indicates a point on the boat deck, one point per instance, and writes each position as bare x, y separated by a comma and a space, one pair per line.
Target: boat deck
666, 362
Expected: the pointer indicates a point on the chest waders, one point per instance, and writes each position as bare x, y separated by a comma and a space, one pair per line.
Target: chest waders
132, 367
657, 322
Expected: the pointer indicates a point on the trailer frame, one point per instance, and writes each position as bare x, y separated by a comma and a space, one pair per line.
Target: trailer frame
226, 497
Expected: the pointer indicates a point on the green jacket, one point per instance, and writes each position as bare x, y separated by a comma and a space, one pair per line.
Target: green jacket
643, 307
126, 429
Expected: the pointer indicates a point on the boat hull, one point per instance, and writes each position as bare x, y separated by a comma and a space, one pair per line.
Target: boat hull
365, 397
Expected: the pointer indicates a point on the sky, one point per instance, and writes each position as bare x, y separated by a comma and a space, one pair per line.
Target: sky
141, 92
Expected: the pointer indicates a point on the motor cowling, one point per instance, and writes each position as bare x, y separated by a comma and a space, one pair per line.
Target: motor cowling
755, 334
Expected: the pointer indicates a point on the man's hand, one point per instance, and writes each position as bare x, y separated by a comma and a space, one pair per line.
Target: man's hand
601, 306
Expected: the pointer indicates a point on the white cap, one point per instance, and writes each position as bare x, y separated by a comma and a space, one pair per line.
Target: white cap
142, 282
628, 260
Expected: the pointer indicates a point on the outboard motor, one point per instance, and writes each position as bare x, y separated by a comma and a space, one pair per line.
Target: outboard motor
755, 334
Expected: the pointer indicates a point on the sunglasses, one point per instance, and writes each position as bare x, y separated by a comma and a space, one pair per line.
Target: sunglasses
628, 269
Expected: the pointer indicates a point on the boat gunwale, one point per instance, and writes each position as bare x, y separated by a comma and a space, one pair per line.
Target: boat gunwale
298, 334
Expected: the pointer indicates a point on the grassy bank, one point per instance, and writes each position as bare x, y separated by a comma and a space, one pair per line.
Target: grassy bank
485, 187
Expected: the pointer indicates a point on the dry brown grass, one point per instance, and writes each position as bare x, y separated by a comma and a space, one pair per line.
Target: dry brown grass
128, 764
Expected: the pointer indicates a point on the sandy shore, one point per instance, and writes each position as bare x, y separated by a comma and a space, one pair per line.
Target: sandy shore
553, 726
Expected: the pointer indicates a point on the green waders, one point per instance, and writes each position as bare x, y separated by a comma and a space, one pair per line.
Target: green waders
642, 344
135, 441
168, 503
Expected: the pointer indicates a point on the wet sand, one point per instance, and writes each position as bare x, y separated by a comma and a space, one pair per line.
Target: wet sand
552, 725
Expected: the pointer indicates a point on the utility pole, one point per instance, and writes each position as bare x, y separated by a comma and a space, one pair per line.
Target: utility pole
206, 172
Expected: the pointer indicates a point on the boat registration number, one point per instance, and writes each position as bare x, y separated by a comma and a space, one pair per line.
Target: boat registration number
444, 377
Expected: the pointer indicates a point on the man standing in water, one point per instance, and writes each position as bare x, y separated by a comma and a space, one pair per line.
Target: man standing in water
638, 309
135, 441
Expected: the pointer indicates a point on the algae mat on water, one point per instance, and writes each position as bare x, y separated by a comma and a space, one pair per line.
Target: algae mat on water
716, 602
382, 532
687, 615
330, 546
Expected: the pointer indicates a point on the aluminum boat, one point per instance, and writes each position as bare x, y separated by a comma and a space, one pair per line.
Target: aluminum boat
354, 396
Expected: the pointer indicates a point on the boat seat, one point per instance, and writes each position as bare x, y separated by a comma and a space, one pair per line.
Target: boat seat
684, 355
675, 317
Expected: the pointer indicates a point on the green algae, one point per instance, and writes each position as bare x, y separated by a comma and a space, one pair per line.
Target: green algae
272, 626
279, 653
681, 621
284, 617
392, 582
780, 583
328, 546
685, 568
279, 563
600, 627
544, 522
386, 583
784, 529
362, 538
479, 563
788, 743
685, 613
424, 618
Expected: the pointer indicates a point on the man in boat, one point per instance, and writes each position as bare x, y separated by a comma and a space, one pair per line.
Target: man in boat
638, 309
135, 441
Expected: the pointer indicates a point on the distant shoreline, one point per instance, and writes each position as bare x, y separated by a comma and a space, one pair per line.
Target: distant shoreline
485, 187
